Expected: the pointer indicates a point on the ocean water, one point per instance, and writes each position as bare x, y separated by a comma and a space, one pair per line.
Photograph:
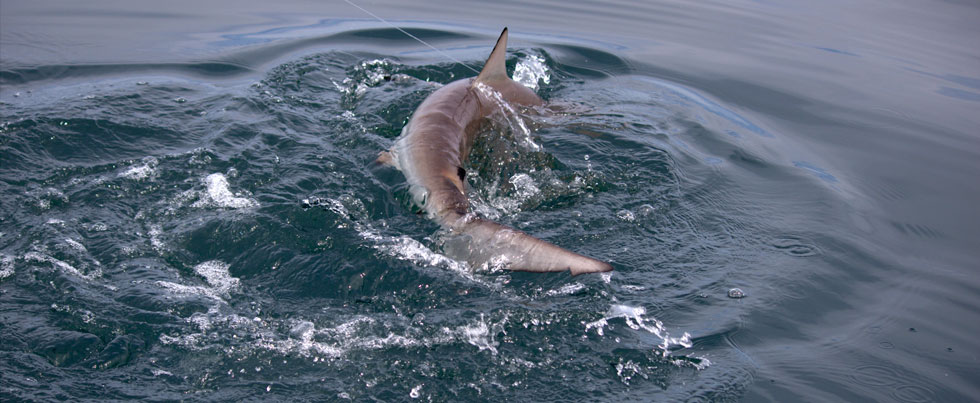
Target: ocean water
787, 191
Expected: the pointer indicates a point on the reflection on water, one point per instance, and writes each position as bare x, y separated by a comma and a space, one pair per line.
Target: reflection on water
786, 192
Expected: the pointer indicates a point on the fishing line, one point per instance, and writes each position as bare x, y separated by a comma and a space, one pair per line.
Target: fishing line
412, 36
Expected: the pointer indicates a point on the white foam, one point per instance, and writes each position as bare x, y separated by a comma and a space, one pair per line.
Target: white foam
406, 248
75, 245
96, 227
155, 231
42, 199
190, 290
61, 265
306, 339
566, 289
218, 194
140, 172
626, 215
6, 266
532, 70
303, 330
216, 273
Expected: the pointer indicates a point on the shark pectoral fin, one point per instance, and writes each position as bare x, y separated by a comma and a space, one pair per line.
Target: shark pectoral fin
385, 158
495, 69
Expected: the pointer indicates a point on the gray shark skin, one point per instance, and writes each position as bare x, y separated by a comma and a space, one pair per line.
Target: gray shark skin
431, 151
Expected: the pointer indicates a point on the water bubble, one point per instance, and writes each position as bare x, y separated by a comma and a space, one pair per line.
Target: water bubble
736, 293
646, 210
626, 215
415, 392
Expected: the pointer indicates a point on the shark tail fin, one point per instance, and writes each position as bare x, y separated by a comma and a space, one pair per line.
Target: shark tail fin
484, 241
495, 68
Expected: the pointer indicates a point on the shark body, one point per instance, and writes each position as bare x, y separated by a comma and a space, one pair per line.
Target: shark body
431, 152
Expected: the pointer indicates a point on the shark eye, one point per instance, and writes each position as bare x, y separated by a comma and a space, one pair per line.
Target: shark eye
461, 173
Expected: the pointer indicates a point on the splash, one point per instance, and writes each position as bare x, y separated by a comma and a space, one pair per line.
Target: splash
634, 318
216, 273
218, 194
6, 266
140, 172
400, 247
182, 289
567, 289
514, 119
366, 75
498, 203
304, 338
532, 70
155, 232
38, 257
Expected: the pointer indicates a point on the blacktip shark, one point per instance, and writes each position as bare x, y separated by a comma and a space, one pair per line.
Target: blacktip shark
431, 150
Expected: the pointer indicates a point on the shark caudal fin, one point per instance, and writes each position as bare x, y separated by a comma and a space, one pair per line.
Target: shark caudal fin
495, 68
480, 241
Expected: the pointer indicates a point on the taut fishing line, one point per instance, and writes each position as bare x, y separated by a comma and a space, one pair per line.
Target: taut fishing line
411, 36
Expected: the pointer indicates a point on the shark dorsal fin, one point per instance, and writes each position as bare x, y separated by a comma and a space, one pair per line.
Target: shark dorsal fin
495, 68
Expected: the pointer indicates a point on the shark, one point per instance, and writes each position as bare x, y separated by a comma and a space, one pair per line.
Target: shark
432, 150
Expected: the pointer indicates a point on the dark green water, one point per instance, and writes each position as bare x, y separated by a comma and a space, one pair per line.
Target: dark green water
190, 209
